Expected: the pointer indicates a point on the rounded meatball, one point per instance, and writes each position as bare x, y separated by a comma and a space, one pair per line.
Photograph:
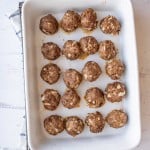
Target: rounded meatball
114, 69
70, 99
72, 49
50, 51
48, 24
50, 73
110, 25
94, 97
89, 45
115, 92
74, 125
72, 78
50, 99
54, 124
117, 118
89, 19
95, 121
91, 71
107, 50
70, 21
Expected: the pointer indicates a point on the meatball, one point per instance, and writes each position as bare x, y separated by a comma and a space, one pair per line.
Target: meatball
50, 73
107, 50
114, 69
91, 71
74, 125
50, 99
48, 24
117, 118
89, 19
115, 92
70, 21
72, 49
95, 121
70, 99
110, 25
54, 124
94, 97
50, 51
72, 78
89, 45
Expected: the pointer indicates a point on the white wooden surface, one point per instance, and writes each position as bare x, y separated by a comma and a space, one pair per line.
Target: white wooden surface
11, 74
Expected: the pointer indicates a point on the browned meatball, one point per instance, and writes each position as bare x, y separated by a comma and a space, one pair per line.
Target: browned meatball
117, 118
70, 99
89, 45
50, 73
91, 71
94, 97
74, 125
110, 25
89, 19
50, 50
70, 21
48, 24
115, 92
72, 50
54, 124
50, 99
114, 69
95, 121
107, 50
72, 78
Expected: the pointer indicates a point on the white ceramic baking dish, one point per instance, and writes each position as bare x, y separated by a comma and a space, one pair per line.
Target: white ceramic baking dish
110, 139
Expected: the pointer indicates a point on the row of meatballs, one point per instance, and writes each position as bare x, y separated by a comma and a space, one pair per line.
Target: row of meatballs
74, 125
95, 97
87, 21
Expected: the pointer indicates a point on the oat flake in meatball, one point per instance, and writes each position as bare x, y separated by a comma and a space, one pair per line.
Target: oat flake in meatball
54, 124
114, 69
107, 50
117, 118
110, 25
89, 45
74, 125
89, 19
50, 99
50, 51
70, 21
50, 73
91, 71
48, 24
94, 97
95, 121
72, 49
72, 78
115, 92
70, 99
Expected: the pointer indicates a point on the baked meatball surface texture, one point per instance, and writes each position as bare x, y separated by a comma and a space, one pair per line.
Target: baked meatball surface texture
117, 118
115, 92
89, 45
48, 24
107, 50
74, 125
89, 19
91, 71
95, 121
50, 73
110, 25
72, 78
94, 97
54, 124
70, 21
